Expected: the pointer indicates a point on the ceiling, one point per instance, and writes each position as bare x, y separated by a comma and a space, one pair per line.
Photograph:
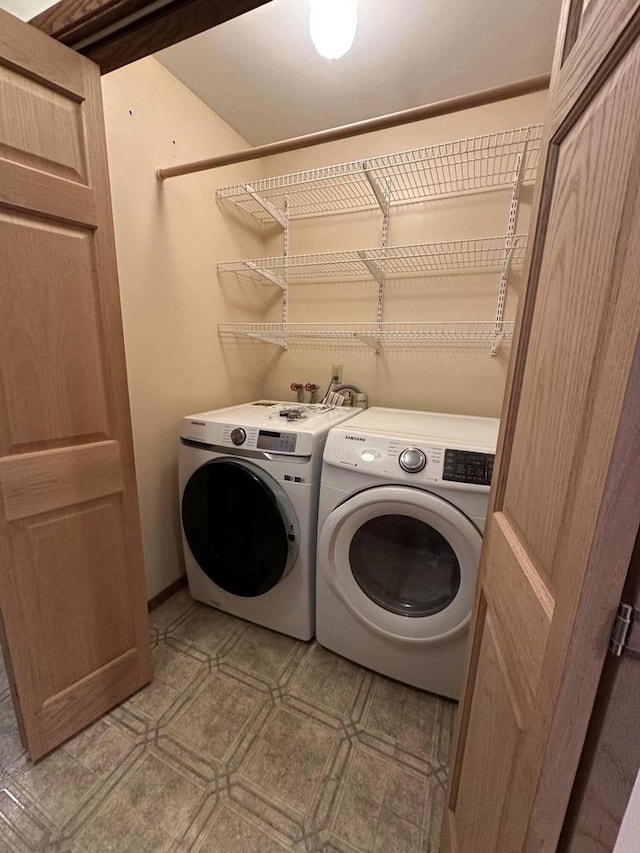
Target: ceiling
26, 9
262, 75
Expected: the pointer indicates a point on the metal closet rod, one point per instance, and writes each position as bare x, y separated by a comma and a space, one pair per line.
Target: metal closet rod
438, 108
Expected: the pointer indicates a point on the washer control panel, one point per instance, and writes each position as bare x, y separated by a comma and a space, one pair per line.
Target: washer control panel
276, 442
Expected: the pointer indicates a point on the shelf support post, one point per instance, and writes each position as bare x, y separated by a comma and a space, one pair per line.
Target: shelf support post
386, 206
265, 204
510, 244
285, 289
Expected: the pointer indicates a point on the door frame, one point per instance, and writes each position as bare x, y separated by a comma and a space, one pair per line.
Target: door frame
114, 33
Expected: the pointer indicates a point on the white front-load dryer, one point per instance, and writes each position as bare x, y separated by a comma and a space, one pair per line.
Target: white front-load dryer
403, 502
249, 485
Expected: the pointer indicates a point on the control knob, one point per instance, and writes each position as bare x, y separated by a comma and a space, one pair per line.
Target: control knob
412, 460
238, 436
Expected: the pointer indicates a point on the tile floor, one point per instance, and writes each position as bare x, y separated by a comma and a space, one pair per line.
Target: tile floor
246, 741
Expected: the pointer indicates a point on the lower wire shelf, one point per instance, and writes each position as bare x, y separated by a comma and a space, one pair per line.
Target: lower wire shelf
374, 334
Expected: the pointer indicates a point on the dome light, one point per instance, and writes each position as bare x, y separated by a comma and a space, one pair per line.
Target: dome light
332, 24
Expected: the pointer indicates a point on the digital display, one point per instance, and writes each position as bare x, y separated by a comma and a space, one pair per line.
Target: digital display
463, 466
276, 442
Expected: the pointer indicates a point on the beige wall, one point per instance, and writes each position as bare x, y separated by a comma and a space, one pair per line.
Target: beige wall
439, 378
169, 239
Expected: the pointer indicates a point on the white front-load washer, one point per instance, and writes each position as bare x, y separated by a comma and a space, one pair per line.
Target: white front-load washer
403, 502
249, 485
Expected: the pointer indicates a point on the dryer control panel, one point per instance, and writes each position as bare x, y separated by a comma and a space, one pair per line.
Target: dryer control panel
407, 460
465, 466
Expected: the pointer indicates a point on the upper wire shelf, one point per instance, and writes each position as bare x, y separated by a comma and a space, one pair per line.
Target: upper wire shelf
392, 261
449, 168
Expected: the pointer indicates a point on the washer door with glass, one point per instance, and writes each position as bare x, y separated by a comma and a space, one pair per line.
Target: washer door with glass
404, 562
240, 526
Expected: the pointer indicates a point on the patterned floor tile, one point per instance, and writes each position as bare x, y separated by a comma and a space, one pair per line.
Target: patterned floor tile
4, 680
289, 759
174, 673
418, 722
58, 785
10, 746
261, 652
172, 611
100, 748
21, 828
246, 742
149, 809
232, 830
329, 681
383, 807
207, 629
216, 716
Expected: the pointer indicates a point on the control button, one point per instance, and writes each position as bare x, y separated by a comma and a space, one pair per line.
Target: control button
369, 455
412, 460
238, 436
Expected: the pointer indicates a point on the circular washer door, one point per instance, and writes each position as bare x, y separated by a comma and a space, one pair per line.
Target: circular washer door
240, 526
404, 562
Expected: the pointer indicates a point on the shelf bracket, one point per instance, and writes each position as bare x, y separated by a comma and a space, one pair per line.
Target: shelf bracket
265, 204
279, 342
267, 275
379, 193
374, 344
373, 267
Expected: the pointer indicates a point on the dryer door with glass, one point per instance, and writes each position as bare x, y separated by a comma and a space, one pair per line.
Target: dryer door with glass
239, 525
403, 561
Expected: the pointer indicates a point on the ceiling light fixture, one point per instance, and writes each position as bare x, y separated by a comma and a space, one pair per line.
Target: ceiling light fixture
332, 24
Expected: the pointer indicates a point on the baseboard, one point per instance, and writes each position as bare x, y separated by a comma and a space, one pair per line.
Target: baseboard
164, 594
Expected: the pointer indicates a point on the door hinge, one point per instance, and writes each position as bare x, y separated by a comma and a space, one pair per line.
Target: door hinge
625, 637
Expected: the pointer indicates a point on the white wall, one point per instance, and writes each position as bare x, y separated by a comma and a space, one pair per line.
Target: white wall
169, 239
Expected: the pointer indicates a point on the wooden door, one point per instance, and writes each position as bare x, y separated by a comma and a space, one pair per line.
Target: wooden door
611, 756
566, 502
72, 591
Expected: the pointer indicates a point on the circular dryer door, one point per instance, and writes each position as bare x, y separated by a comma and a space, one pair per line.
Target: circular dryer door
403, 561
240, 526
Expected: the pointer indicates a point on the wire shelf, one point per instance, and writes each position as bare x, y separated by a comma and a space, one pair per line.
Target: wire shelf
281, 334
449, 168
395, 261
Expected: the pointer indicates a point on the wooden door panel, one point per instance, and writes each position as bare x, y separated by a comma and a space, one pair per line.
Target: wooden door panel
33, 483
495, 726
592, 31
576, 278
53, 320
566, 507
50, 135
523, 609
73, 598
52, 552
